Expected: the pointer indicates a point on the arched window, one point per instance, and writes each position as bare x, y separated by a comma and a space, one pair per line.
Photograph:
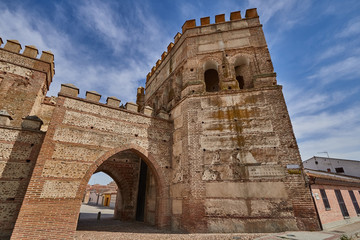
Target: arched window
211, 77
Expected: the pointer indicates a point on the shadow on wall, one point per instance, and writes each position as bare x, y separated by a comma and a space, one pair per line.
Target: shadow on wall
18, 153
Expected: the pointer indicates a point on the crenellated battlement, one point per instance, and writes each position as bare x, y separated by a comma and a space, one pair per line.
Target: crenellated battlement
30, 51
205, 21
25, 79
70, 90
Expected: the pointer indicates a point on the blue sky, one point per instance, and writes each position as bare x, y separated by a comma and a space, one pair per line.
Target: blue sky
110, 46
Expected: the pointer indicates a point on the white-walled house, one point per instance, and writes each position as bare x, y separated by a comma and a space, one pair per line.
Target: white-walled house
334, 165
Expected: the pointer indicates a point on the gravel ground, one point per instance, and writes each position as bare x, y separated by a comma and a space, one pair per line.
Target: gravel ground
108, 236
115, 229
107, 228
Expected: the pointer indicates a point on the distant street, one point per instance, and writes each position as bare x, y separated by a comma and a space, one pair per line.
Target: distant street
91, 212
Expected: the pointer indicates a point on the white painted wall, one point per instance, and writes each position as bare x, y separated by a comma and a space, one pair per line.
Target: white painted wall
351, 167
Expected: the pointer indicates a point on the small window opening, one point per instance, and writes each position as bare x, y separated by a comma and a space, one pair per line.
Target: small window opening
341, 202
354, 201
211, 80
339, 170
325, 199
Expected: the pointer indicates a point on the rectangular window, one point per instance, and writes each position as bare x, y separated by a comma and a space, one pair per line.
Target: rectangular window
325, 199
339, 170
353, 199
341, 203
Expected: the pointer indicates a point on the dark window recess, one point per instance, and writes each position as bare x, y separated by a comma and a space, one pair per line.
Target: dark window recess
328, 170
325, 199
240, 80
341, 202
354, 201
140, 208
339, 170
211, 80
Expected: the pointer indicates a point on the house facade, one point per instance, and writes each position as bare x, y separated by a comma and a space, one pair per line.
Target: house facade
337, 197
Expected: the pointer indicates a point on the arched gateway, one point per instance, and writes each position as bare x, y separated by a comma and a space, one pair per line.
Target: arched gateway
123, 165
221, 160
81, 136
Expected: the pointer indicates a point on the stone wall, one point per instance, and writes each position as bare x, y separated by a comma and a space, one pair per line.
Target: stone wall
233, 175
151, 195
233, 145
24, 80
18, 153
81, 136
222, 46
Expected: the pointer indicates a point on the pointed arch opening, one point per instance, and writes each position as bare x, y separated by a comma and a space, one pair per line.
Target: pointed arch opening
102, 194
138, 197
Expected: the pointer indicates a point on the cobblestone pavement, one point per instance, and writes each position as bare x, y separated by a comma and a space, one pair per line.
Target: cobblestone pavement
108, 229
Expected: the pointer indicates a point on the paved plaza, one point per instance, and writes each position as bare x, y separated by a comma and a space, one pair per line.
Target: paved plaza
107, 228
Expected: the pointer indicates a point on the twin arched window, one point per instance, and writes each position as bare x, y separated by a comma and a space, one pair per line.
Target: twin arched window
211, 76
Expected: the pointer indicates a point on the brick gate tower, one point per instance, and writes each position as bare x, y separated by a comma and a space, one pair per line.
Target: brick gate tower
211, 127
234, 149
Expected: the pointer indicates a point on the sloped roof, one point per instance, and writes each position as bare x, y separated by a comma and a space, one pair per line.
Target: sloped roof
327, 178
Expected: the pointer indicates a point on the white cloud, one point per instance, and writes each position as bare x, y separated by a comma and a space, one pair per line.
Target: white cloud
101, 19
189, 10
269, 9
312, 101
279, 16
13, 25
338, 71
337, 133
117, 76
337, 146
351, 29
326, 122
331, 52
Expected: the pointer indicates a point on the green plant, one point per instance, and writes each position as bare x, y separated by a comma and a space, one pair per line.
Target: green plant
344, 237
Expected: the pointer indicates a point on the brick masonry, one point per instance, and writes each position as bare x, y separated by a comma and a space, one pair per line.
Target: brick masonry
217, 161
